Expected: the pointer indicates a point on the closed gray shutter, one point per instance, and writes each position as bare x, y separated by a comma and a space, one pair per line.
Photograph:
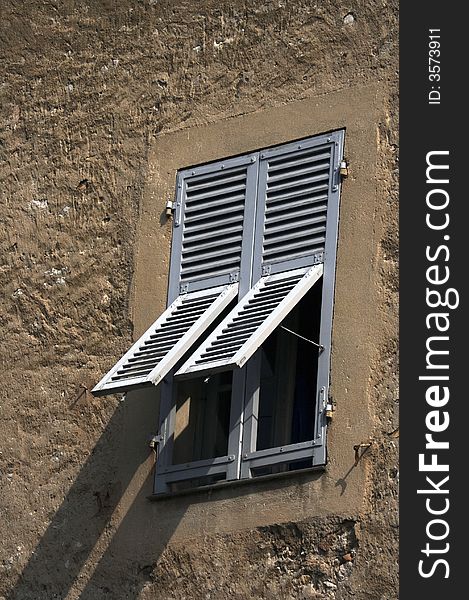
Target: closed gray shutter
249, 324
296, 183
167, 340
214, 224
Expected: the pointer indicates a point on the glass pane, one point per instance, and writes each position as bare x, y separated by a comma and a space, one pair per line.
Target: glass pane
287, 395
202, 418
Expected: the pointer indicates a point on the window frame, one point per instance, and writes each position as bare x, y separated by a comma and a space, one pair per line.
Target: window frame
242, 457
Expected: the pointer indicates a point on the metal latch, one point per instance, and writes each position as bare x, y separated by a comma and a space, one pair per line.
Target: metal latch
326, 403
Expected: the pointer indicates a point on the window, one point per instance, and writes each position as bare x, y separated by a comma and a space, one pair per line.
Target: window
242, 353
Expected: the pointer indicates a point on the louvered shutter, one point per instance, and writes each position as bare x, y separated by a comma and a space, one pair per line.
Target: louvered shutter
266, 213
249, 324
166, 341
296, 185
214, 224
213, 234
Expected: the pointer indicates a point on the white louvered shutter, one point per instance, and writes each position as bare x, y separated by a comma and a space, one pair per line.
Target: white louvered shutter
167, 340
249, 324
296, 212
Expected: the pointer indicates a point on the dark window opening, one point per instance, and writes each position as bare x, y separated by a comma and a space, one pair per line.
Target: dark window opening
288, 380
202, 418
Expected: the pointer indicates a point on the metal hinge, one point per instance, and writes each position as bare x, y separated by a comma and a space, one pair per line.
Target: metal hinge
234, 277
183, 288
177, 213
266, 269
154, 440
169, 208
318, 258
322, 396
343, 170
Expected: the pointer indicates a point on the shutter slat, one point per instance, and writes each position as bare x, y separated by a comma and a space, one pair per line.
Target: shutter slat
218, 181
234, 336
285, 214
286, 234
309, 191
217, 226
213, 254
216, 177
301, 158
123, 377
297, 249
192, 199
222, 350
293, 183
200, 206
150, 353
218, 215
296, 200
295, 223
294, 171
215, 266
167, 340
193, 248
190, 239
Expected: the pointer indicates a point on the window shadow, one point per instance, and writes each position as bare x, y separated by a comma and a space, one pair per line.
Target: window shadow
104, 540
98, 526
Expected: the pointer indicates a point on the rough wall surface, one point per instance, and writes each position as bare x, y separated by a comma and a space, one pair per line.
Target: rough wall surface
85, 87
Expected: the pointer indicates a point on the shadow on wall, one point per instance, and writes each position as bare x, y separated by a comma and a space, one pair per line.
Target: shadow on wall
93, 546
104, 540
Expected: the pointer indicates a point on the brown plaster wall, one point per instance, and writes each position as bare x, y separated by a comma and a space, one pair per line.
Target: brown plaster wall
100, 103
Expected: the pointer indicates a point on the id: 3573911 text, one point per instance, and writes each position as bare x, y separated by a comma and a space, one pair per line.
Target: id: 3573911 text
434, 66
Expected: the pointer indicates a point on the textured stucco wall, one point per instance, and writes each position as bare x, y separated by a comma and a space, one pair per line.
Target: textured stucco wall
90, 93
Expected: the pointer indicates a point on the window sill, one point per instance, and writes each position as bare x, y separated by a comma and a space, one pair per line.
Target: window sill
222, 485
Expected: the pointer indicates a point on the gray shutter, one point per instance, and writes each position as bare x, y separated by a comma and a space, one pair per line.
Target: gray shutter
249, 324
167, 340
296, 184
214, 223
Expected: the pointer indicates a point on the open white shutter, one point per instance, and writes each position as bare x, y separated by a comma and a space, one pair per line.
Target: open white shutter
249, 324
165, 342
